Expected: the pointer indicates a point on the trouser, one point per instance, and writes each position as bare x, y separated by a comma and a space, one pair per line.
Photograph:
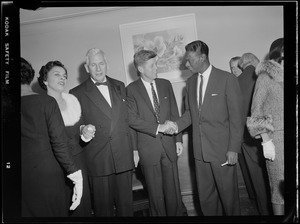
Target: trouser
217, 188
112, 190
163, 188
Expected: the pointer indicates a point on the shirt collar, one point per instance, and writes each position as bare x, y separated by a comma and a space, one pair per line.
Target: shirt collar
147, 83
207, 71
105, 80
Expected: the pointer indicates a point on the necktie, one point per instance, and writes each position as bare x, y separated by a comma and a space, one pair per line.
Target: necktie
155, 102
200, 92
101, 83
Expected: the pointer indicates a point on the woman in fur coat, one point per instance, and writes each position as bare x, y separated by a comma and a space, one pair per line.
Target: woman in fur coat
53, 78
266, 120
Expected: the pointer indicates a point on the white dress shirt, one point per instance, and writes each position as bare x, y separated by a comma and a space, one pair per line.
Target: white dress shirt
206, 75
104, 91
149, 91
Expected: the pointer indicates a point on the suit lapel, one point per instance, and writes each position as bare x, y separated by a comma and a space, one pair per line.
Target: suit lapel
144, 94
210, 87
115, 93
97, 98
193, 91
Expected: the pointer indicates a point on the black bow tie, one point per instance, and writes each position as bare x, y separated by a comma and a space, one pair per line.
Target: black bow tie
101, 83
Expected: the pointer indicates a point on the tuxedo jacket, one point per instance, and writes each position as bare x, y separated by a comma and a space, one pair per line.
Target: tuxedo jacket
142, 119
219, 127
110, 151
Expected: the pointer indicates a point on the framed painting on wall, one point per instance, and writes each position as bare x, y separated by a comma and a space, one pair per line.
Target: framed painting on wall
167, 37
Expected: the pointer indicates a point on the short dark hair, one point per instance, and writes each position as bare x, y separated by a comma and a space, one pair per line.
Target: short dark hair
27, 72
44, 72
197, 46
141, 57
276, 50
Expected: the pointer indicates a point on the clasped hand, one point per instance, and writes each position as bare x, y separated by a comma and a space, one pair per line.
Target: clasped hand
88, 131
169, 128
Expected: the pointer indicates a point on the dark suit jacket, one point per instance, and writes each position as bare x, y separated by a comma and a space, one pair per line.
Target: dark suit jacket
247, 82
110, 151
219, 128
142, 119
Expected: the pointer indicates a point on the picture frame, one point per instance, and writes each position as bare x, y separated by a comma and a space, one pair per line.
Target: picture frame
167, 37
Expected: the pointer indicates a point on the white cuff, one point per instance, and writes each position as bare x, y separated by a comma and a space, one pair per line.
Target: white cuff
263, 143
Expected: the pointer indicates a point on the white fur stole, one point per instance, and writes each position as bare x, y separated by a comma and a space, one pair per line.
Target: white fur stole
72, 113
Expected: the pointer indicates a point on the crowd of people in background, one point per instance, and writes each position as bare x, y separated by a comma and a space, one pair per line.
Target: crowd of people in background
80, 149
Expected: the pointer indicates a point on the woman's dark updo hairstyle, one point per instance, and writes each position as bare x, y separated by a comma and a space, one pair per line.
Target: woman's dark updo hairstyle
44, 72
276, 50
27, 72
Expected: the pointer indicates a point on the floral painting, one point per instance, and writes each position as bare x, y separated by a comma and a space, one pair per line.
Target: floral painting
168, 45
167, 37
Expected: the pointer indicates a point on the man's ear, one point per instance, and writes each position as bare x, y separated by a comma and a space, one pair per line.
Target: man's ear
202, 57
140, 69
86, 68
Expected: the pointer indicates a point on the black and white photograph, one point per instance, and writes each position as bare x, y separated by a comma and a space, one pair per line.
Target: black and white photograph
138, 112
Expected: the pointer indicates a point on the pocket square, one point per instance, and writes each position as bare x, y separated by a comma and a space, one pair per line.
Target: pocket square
214, 94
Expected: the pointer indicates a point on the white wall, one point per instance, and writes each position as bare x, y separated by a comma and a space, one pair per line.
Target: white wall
227, 30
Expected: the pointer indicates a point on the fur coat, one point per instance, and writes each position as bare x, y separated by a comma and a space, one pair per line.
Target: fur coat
267, 103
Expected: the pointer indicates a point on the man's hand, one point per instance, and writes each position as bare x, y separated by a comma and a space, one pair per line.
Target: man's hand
87, 131
179, 148
169, 127
232, 158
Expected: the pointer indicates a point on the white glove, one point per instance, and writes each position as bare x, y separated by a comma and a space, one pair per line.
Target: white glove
76, 177
269, 150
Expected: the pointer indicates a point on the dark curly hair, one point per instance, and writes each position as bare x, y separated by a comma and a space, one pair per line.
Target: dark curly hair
27, 72
44, 72
276, 50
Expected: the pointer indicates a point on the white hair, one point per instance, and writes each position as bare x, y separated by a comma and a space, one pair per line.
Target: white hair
248, 59
93, 52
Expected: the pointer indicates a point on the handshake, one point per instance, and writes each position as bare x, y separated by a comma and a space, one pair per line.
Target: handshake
169, 128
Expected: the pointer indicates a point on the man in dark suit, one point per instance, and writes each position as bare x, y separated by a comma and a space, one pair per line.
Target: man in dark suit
151, 102
236, 70
213, 105
251, 148
109, 154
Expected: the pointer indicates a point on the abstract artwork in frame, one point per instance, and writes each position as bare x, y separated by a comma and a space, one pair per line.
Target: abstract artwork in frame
167, 37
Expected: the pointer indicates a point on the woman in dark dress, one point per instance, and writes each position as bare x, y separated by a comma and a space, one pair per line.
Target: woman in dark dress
53, 77
45, 156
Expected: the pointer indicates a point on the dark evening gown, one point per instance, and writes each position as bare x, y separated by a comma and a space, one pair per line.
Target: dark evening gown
46, 159
72, 120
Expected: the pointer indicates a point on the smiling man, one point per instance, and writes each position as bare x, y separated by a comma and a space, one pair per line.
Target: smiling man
151, 102
109, 155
